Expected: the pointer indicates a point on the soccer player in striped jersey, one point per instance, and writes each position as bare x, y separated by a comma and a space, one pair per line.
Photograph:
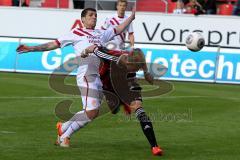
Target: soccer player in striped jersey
118, 42
133, 102
115, 20
88, 79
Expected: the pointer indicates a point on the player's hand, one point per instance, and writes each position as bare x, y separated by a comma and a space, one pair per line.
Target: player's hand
88, 50
148, 77
84, 53
23, 49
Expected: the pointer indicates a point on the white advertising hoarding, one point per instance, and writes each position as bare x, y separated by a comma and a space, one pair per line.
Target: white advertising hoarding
155, 28
159, 36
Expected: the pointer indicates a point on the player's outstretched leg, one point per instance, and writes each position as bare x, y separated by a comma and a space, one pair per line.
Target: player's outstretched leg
147, 127
91, 92
78, 121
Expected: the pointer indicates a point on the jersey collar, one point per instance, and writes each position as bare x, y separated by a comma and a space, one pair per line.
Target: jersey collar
88, 28
120, 16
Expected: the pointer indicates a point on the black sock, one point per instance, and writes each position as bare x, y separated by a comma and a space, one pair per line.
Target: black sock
146, 125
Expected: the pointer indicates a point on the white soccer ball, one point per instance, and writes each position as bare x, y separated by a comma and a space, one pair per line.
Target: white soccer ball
195, 41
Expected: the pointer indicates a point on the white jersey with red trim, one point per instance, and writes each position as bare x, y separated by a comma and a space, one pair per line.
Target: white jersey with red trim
80, 39
113, 22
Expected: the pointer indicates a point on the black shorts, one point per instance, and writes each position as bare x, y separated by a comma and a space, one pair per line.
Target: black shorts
122, 84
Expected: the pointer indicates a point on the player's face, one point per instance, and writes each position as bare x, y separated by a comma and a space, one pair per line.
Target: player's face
90, 20
121, 8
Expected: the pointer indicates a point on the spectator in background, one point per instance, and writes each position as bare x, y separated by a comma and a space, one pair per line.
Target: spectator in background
179, 7
202, 2
194, 7
16, 3
117, 19
184, 1
189, 9
236, 10
210, 7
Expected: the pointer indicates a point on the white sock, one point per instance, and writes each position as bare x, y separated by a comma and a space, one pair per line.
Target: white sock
65, 126
79, 120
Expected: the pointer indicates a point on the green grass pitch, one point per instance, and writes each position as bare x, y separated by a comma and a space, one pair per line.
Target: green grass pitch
195, 121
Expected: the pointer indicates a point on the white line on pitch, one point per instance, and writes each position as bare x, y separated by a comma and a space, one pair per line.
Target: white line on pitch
36, 97
154, 97
180, 97
6, 132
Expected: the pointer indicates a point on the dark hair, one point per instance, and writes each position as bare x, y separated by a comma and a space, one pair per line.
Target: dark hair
84, 12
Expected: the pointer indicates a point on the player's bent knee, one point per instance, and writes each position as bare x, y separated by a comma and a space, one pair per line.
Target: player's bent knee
135, 105
92, 114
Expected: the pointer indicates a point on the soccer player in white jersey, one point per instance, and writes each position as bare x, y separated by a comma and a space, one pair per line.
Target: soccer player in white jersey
117, 19
88, 71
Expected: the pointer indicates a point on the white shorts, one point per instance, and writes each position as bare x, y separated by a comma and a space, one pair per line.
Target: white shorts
91, 91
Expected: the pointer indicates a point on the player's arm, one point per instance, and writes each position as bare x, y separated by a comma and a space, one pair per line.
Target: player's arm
85, 53
102, 52
147, 75
120, 28
106, 24
131, 35
43, 47
123, 61
131, 39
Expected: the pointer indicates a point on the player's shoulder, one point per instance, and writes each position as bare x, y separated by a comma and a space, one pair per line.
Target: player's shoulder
100, 31
82, 32
116, 17
112, 16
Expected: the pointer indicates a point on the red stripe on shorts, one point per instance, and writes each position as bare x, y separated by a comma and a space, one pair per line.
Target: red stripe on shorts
87, 91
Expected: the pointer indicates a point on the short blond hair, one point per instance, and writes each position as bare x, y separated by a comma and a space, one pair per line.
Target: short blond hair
122, 1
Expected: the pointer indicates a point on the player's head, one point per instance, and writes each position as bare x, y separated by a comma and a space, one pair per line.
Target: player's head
121, 7
89, 17
133, 61
179, 4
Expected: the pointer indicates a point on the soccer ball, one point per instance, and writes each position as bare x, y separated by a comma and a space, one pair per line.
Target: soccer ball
195, 41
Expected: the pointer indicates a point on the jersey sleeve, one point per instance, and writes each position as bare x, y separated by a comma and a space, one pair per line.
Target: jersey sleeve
111, 55
106, 24
66, 39
108, 34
